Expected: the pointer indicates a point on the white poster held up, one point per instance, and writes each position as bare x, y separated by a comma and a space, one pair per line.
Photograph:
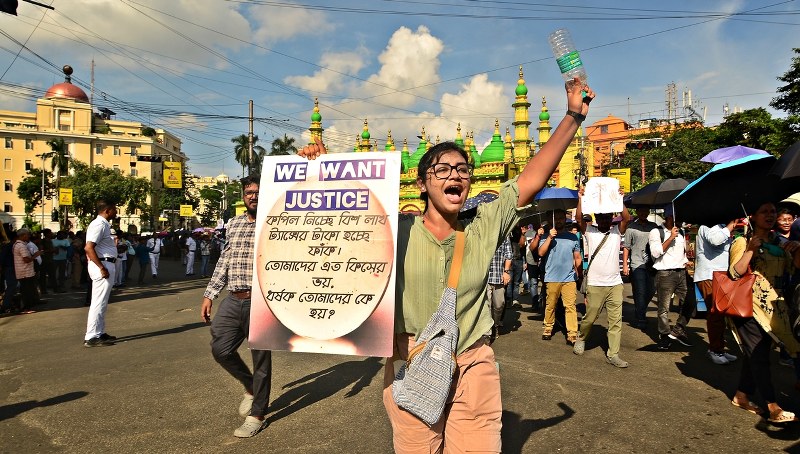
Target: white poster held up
601, 195
323, 277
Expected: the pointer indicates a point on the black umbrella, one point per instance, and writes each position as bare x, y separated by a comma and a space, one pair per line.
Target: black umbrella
659, 193
787, 169
726, 191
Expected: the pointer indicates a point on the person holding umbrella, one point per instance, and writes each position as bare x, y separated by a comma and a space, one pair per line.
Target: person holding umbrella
770, 259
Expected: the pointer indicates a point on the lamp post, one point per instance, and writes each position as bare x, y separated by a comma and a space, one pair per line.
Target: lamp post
222, 201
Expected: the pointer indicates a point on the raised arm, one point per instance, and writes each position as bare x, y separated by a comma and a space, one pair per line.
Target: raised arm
542, 166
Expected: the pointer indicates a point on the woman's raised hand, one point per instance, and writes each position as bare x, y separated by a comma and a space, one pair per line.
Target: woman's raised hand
312, 151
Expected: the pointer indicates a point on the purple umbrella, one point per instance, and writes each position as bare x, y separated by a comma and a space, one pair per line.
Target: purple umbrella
727, 154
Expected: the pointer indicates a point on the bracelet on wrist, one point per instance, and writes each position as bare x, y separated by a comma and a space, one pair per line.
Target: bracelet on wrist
579, 117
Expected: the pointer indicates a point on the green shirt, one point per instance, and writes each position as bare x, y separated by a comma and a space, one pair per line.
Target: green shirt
423, 264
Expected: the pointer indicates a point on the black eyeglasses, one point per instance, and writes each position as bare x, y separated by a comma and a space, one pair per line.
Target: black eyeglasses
443, 171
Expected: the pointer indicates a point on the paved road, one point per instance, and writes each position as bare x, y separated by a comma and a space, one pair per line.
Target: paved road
159, 390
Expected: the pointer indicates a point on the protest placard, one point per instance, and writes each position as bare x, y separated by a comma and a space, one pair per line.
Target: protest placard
324, 274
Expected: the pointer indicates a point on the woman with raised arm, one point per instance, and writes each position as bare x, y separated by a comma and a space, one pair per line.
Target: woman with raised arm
425, 245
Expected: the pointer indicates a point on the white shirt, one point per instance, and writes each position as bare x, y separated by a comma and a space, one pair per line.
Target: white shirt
191, 244
713, 246
99, 233
155, 245
33, 248
675, 255
604, 269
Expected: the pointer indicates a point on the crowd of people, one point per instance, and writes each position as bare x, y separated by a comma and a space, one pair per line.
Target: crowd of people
57, 262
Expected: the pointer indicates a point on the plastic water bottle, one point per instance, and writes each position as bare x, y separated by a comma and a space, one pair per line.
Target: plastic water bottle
567, 56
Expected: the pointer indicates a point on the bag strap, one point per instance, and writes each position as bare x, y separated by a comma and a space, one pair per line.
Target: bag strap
458, 256
599, 246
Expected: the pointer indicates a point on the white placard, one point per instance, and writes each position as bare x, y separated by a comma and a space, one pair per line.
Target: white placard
601, 195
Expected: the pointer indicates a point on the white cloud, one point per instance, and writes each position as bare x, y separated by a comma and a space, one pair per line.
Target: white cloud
275, 23
411, 59
331, 79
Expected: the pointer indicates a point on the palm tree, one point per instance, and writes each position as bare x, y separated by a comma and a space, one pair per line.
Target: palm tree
241, 151
283, 146
60, 163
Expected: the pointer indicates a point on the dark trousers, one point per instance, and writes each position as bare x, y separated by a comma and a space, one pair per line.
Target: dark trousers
756, 346
60, 268
47, 274
229, 328
142, 269
10, 278
643, 286
27, 289
667, 283
715, 321
512, 289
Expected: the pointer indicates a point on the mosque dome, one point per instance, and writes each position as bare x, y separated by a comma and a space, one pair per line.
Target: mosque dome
495, 151
521, 89
316, 116
544, 116
66, 90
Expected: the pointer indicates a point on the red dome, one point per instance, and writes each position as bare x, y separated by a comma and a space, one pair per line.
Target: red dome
68, 91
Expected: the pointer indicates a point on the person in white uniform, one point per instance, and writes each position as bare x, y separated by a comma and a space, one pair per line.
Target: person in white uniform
191, 249
101, 253
154, 245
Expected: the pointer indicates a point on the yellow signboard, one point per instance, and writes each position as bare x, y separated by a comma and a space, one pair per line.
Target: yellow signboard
240, 208
187, 211
624, 178
173, 175
65, 196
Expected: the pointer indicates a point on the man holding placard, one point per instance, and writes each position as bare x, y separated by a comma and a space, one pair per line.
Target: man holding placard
603, 280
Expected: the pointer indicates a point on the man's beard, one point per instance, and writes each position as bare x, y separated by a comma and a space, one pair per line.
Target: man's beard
252, 211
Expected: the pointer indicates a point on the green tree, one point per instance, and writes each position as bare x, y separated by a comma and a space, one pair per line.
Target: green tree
283, 146
755, 128
30, 189
677, 155
241, 150
92, 183
788, 99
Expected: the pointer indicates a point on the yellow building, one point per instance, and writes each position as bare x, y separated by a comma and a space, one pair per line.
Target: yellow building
199, 183
94, 138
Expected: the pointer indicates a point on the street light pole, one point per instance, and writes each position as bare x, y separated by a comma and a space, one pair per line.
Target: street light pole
44, 156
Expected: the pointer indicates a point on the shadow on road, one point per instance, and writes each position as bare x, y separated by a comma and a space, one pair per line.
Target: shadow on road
12, 410
177, 329
317, 386
516, 431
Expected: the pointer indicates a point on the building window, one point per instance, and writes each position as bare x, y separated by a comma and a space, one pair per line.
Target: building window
98, 148
134, 173
133, 151
7, 207
7, 185
7, 164
603, 129
115, 167
28, 166
64, 120
29, 144
9, 142
116, 150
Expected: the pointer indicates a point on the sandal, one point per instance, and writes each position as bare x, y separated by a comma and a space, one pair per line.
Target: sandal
547, 334
782, 417
749, 406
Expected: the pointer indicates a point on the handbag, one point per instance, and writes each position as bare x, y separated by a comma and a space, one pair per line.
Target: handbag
584, 286
422, 384
733, 298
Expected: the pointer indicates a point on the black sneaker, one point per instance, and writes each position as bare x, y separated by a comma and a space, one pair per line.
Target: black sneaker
108, 337
679, 335
664, 342
97, 342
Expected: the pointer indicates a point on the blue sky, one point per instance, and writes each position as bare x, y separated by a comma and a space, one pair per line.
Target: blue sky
190, 66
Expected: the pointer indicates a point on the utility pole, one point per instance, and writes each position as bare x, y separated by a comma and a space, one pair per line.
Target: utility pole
250, 139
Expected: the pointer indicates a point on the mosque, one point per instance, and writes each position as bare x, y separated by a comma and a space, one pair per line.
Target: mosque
503, 158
